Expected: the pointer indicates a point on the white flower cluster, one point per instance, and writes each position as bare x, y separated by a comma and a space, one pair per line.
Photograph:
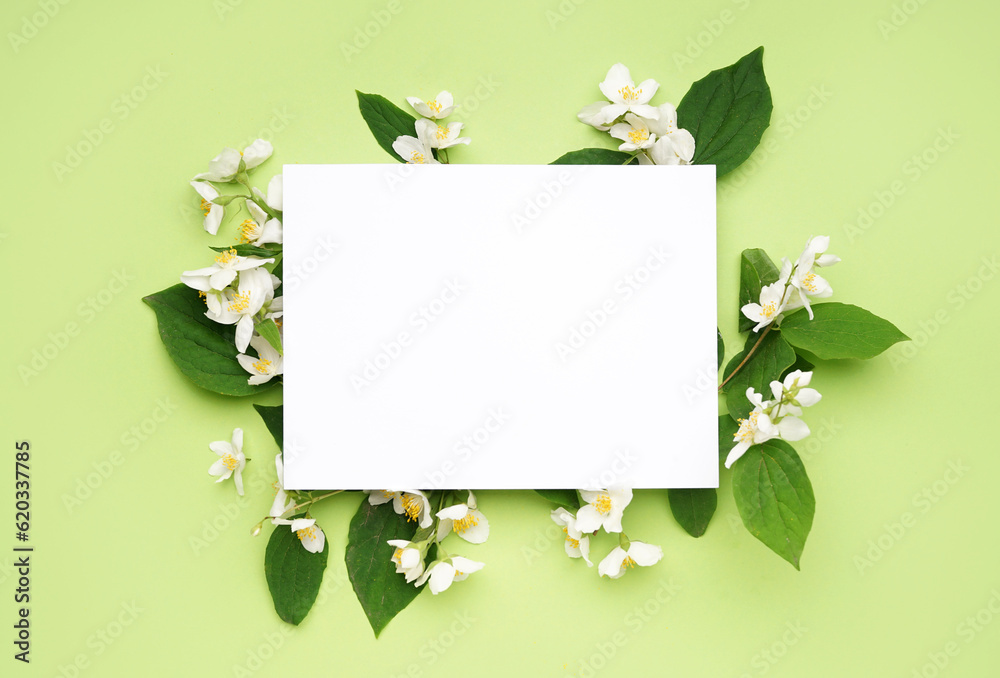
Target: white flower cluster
650, 132
604, 509
464, 519
237, 289
778, 418
795, 284
432, 134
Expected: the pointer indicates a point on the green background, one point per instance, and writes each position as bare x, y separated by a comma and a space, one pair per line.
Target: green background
854, 104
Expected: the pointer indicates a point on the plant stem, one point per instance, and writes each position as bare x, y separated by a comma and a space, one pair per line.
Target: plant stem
747, 357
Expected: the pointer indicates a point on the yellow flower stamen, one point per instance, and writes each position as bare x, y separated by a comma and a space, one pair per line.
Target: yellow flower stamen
206, 206
809, 282
306, 533
397, 554
628, 562
417, 158
227, 257
637, 136
747, 428
768, 309
434, 105
230, 462
412, 506
602, 504
442, 132
249, 230
240, 302
263, 366
629, 94
463, 524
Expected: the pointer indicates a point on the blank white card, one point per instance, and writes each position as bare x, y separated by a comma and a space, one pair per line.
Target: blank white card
499, 327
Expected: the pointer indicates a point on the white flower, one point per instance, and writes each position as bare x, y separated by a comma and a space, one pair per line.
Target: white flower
805, 280
773, 301
268, 363
238, 307
439, 107
634, 132
416, 150
466, 520
217, 276
224, 166
814, 253
409, 559
577, 544
260, 229
213, 212
624, 96
281, 504
593, 115
275, 193
676, 148
231, 461
412, 503
441, 136
308, 532
444, 572
769, 419
637, 553
604, 508
794, 394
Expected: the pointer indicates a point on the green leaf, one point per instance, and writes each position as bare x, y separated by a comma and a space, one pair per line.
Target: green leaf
596, 156
274, 420
568, 499
293, 574
693, 508
727, 430
727, 111
756, 271
205, 351
767, 363
268, 330
278, 271
775, 498
226, 199
840, 331
382, 593
245, 250
721, 348
386, 120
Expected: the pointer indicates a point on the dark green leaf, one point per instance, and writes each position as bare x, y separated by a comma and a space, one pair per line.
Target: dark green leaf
727, 430
268, 330
382, 593
293, 574
274, 420
386, 120
721, 349
205, 351
568, 499
756, 271
595, 156
693, 508
727, 111
775, 498
772, 357
840, 331
245, 250
278, 271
